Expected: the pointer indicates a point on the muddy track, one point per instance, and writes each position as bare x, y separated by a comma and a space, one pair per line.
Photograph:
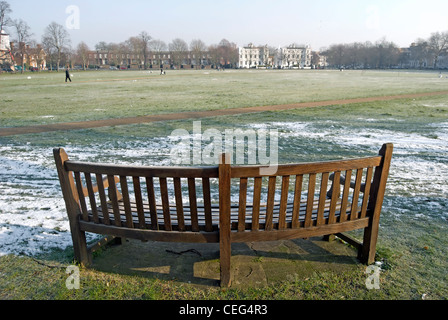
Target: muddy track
199, 114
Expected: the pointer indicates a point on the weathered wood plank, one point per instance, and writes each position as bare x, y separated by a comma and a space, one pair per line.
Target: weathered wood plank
297, 201
165, 203
193, 204
152, 203
207, 204
139, 202
256, 203
242, 205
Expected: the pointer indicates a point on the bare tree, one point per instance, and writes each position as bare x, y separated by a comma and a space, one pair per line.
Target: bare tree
178, 49
157, 47
135, 47
5, 10
437, 45
24, 34
229, 53
197, 48
57, 38
82, 51
145, 39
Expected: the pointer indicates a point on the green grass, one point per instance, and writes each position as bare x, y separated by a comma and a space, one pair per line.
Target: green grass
93, 95
413, 238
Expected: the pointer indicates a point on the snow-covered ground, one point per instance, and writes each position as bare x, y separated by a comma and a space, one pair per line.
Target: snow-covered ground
32, 211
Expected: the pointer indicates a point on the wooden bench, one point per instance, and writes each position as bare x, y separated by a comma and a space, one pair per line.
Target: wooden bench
225, 203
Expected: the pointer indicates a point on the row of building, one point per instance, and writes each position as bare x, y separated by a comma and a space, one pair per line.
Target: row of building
292, 56
34, 57
250, 56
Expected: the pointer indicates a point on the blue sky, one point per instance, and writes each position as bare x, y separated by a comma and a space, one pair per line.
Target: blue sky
318, 23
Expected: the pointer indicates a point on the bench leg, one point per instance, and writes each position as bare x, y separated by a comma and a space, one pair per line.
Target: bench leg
224, 261
82, 253
368, 249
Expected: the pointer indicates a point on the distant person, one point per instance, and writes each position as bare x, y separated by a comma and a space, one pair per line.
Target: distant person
67, 74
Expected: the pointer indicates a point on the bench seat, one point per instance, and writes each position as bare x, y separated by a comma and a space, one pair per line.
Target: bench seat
214, 215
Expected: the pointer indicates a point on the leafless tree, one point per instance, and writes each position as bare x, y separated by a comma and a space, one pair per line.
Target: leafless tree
229, 53
135, 47
178, 49
198, 48
5, 10
57, 38
24, 34
157, 47
145, 39
82, 51
437, 45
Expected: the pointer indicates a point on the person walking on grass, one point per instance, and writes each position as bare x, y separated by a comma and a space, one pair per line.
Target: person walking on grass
67, 74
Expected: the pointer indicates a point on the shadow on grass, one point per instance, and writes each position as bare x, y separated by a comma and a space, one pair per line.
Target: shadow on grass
253, 264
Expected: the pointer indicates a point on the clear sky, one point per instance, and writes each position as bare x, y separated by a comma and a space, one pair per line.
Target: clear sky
318, 23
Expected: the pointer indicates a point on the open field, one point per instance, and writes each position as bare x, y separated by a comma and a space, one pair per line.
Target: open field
413, 237
45, 98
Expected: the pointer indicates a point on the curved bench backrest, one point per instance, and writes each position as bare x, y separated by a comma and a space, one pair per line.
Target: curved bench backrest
228, 197
157, 198
307, 194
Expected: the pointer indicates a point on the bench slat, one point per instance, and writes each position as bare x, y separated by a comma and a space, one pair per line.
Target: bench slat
365, 197
207, 204
283, 202
334, 197
126, 200
114, 200
139, 202
307, 168
310, 199
82, 201
256, 203
234, 214
103, 199
322, 198
91, 194
152, 203
165, 203
270, 203
355, 197
142, 171
179, 204
242, 205
193, 204
345, 194
297, 201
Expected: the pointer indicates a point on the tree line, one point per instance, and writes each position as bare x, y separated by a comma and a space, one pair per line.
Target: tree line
423, 53
147, 50
59, 52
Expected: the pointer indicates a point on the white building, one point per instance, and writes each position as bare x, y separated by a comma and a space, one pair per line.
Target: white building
254, 57
293, 56
5, 47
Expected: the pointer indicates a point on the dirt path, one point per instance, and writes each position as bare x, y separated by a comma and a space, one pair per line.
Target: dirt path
199, 114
